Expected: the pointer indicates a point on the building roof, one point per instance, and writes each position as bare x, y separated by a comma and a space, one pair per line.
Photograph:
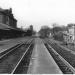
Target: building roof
70, 25
5, 27
1, 9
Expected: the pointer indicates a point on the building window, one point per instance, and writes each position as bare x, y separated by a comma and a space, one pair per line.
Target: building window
7, 20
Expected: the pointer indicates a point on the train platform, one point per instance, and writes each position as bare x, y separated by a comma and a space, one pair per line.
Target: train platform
41, 61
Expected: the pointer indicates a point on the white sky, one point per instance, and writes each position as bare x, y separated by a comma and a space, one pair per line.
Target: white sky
41, 12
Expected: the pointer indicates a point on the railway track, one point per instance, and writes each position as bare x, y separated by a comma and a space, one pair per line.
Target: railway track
23, 64
16, 59
60, 58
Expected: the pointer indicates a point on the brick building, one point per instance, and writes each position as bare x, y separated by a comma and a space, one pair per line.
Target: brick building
6, 17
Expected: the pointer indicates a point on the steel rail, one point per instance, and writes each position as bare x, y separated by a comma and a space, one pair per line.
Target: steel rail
63, 60
20, 60
10, 51
13, 48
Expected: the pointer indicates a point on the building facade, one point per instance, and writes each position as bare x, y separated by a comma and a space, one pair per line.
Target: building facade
69, 36
6, 17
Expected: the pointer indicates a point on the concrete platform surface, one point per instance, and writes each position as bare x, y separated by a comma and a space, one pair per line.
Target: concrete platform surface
41, 60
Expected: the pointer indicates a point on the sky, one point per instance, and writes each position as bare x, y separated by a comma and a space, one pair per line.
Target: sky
41, 12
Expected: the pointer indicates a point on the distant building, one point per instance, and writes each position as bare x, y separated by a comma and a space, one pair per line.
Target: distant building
69, 35
6, 17
31, 27
67, 38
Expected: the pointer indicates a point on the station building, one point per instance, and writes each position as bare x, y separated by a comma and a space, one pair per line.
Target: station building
8, 25
7, 18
